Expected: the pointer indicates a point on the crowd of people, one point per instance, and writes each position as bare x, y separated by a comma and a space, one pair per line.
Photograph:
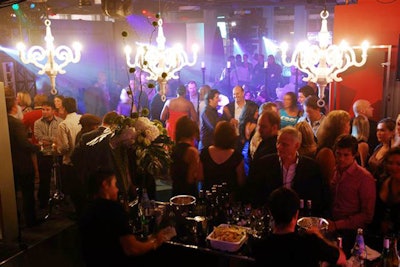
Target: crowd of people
348, 166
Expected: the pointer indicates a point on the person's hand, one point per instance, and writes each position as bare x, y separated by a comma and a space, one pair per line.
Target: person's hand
331, 226
314, 230
165, 234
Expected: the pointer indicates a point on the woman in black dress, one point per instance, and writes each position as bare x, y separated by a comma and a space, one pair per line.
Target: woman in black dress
221, 162
185, 167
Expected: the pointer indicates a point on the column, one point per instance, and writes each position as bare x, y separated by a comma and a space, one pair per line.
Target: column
8, 205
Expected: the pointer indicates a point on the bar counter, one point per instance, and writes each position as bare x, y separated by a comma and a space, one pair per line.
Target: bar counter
178, 253
190, 247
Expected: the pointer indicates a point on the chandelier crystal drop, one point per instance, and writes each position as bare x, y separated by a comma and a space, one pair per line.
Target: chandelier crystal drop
57, 57
161, 63
323, 63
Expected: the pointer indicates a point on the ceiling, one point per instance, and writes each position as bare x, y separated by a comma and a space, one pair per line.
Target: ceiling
90, 7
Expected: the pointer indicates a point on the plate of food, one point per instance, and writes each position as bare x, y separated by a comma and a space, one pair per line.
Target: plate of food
227, 237
308, 222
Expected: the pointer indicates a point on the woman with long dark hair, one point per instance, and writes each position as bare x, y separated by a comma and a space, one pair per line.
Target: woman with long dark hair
385, 133
247, 127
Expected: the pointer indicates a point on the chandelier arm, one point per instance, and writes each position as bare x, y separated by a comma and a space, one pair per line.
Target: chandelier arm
34, 56
346, 63
65, 52
66, 56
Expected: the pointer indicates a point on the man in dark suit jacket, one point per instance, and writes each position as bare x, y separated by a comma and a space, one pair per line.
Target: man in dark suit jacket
89, 158
289, 169
268, 125
23, 155
232, 111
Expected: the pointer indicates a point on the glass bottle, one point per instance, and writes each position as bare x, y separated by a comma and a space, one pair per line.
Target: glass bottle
301, 209
392, 258
309, 208
201, 204
339, 244
358, 251
383, 261
146, 210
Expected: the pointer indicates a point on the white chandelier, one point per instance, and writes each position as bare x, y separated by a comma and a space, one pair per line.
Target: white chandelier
323, 63
37, 54
162, 64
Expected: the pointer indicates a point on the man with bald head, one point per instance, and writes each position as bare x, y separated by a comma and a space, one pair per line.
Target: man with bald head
232, 111
362, 107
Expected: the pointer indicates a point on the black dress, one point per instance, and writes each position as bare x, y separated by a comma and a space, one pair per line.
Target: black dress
179, 172
215, 173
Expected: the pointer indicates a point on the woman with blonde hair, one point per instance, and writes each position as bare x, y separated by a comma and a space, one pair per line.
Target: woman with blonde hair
308, 146
360, 130
24, 100
336, 123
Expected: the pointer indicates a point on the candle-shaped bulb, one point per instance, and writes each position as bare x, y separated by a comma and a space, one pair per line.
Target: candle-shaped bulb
228, 64
203, 65
265, 64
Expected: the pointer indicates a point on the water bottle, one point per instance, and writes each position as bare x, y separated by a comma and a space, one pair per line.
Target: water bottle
358, 252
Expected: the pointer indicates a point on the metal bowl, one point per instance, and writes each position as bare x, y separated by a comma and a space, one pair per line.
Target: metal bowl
182, 200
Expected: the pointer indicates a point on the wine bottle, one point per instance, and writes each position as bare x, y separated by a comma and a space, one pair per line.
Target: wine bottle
309, 212
384, 258
201, 204
146, 209
358, 252
389, 256
301, 209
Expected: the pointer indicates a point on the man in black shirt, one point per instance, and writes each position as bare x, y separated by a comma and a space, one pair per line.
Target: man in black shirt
107, 239
286, 246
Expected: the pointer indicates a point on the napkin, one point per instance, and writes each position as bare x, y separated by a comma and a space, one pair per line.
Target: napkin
371, 255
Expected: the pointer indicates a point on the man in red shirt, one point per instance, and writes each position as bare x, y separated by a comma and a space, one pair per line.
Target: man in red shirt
353, 192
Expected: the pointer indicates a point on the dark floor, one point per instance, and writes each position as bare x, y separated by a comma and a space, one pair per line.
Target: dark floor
55, 242
52, 243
